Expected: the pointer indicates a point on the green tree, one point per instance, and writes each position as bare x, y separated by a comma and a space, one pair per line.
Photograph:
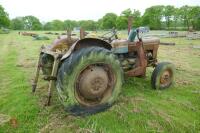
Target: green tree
32, 23
88, 24
48, 26
17, 23
57, 25
152, 17
185, 15
168, 13
121, 22
176, 16
127, 13
99, 23
4, 18
190, 16
195, 17
136, 18
109, 21
69, 24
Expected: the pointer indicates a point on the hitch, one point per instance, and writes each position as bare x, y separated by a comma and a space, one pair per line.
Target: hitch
52, 78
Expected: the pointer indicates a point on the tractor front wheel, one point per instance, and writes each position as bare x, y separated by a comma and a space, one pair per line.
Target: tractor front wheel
163, 76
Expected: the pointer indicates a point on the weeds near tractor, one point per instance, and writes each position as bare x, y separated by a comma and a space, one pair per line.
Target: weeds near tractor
138, 109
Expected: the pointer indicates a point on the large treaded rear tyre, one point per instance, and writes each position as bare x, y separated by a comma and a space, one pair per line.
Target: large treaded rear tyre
90, 79
163, 76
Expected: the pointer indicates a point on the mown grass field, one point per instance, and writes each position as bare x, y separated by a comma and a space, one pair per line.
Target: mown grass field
138, 109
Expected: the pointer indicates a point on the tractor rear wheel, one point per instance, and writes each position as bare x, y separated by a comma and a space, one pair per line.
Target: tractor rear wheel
163, 75
89, 78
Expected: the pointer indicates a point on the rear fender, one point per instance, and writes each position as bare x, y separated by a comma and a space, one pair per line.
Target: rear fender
86, 42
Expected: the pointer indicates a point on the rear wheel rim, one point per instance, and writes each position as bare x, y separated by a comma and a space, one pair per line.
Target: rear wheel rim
95, 84
166, 78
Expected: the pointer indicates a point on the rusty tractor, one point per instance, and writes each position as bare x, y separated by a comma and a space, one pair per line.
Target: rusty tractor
89, 72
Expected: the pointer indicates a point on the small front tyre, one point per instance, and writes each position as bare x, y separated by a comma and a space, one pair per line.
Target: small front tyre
163, 76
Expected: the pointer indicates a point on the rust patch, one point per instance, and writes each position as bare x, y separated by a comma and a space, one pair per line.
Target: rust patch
13, 122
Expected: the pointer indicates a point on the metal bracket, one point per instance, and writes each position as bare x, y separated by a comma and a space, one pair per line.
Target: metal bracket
53, 74
35, 80
52, 78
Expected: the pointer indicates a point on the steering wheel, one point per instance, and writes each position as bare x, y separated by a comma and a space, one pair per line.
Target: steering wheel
110, 38
138, 34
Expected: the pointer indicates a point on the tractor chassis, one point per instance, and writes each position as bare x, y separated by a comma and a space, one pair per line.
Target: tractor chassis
141, 63
140, 70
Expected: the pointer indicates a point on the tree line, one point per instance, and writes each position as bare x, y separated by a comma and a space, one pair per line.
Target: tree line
156, 17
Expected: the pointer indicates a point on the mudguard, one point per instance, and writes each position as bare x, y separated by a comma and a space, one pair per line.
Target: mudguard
86, 42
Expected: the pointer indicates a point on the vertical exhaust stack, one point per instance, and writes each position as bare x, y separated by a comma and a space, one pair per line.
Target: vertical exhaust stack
82, 33
69, 35
130, 23
131, 32
132, 35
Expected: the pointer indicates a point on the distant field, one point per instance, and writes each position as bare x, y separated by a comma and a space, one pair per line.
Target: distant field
138, 109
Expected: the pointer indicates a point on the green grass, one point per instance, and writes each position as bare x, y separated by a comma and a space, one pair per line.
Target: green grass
138, 109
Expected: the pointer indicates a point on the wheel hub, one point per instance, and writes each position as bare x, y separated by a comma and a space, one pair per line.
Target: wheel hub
165, 78
93, 82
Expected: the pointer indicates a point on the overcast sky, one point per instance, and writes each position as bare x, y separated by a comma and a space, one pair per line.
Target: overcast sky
47, 10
